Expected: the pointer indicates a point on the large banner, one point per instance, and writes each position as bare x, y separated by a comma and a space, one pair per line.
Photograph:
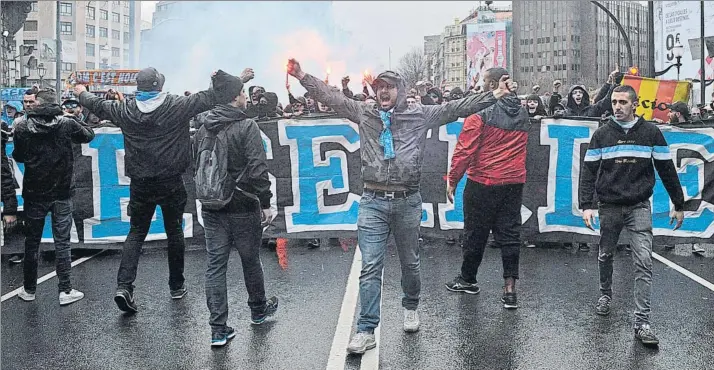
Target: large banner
486, 47
655, 96
315, 170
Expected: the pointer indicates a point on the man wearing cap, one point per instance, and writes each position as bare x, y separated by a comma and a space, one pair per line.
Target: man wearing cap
72, 106
678, 113
157, 153
392, 140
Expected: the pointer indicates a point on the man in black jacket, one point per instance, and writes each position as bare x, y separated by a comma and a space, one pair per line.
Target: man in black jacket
157, 152
43, 142
9, 197
619, 168
238, 224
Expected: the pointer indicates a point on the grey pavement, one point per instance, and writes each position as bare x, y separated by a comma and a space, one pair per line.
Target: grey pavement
554, 328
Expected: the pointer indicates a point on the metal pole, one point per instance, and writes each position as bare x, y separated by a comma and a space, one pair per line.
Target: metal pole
619, 27
650, 38
58, 62
703, 77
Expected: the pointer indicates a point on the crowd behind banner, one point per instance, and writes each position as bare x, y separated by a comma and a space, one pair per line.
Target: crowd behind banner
314, 169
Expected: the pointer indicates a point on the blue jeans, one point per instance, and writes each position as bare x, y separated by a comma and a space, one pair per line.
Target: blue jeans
638, 221
225, 231
378, 217
35, 212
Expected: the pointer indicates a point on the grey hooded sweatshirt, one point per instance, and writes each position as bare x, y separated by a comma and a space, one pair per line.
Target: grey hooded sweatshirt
409, 127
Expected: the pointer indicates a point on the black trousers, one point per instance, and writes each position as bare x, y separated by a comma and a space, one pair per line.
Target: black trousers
497, 209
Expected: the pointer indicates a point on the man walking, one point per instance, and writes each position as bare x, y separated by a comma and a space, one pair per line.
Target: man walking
619, 169
232, 183
392, 139
492, 151
43, 142
158, 151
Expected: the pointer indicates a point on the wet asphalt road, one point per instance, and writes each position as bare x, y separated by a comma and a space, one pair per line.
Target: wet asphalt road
554, 328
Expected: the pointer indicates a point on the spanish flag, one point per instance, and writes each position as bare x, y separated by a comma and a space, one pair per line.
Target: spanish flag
655, 96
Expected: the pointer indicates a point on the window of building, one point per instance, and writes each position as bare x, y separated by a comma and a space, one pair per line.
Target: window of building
65, 28
66, 9
103, 32
547, 40
67, 66
89, 65
90, 49
30, 26
126, 20
29, 42
115, 34
126, 37
115, 52
115, 17
90, 31
117, 3
564, 67
103, 14
90, 12
34, 6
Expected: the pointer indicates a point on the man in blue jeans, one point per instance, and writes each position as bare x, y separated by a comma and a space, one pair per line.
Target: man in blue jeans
239, 223
619, 169
392, 139
43, 142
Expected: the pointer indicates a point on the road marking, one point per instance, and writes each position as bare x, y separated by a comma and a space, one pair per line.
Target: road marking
370, 359
338, 352
52, 274
684, 271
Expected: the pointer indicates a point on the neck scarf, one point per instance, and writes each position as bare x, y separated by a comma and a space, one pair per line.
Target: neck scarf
386, 139
146, 95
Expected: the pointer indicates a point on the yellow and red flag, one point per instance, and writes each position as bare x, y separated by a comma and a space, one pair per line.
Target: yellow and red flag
655, 96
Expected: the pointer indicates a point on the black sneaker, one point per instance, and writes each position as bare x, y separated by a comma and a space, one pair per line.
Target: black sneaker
15, 259
179, 293
125, 301
645, 334
271, 305
584, 247
461, 285
221, 339
509, 300
603, 305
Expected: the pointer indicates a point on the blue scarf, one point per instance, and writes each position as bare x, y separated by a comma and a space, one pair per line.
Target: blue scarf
146, 95
386, 139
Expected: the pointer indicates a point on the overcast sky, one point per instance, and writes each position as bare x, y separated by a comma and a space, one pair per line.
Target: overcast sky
412, 20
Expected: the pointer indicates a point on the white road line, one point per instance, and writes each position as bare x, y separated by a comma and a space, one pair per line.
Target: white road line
52, 274
684, 271
338, 352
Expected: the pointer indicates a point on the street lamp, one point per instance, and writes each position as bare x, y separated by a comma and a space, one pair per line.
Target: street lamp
41, 71
104, 54
678, 52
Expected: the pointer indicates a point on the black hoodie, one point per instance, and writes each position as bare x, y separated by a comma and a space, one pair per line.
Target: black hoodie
9, 197
43, 142
247, 162
540, 109
585, 109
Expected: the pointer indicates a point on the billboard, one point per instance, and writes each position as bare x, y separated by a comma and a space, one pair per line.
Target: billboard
680, 21
486, 47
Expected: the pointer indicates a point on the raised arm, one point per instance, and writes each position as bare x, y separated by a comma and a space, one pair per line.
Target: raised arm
102, 108
78, 132
350, 109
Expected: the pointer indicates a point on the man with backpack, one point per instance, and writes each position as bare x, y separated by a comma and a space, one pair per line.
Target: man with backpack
157, 144
231, 176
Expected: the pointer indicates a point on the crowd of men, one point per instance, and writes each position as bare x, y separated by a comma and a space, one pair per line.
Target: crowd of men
214, 134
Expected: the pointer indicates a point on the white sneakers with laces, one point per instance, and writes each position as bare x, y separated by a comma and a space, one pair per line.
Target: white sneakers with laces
411, 321
72, 296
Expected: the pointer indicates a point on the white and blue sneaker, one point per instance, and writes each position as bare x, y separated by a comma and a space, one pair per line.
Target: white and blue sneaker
221, 339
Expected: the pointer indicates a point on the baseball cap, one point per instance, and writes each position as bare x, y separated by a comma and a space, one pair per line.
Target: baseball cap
149, 79
682, 108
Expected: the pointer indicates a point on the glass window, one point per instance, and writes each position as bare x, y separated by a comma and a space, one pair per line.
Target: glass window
66, 9
34, 6
115, 34
115, 17
90, 31
66, 28
115, 52
67, 67
29, 42
89, 65
30, 26
90, 49
90, 12
126, 37
103, 14
103, 32
126, 20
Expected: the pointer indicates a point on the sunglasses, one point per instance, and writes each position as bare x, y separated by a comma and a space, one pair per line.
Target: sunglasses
71, 106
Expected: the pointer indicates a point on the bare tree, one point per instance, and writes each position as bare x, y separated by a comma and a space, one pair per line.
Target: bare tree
412, 67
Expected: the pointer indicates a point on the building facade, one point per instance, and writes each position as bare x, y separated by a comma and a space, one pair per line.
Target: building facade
94, 34
576, 42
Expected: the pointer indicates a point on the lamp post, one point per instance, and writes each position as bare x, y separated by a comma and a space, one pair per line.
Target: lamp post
41, 71
104, 54
678, 52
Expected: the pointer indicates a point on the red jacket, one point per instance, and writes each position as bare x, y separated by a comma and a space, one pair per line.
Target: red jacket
492, 145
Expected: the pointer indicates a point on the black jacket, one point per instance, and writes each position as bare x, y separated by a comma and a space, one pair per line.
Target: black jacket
9, 184
157, 143
43, 142
619, 166
585, 109
247, 162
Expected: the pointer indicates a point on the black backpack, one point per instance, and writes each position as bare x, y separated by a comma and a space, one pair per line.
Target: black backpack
214, 185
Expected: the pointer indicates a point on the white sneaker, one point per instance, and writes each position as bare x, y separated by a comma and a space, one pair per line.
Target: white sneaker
411, 321
73, 296
361, 342
25, 296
